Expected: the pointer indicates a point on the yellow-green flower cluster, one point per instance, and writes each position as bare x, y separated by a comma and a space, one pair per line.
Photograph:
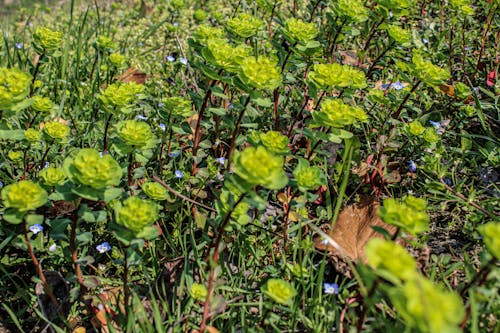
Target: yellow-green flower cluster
105, 43
205, 32
15, 155
244, 25
41, 104
56, 130
300, 31
258, 166
429, 73
24, 196
14, 87
135, 133
398, 34
415, 128
387, 256
178, 106
87, 167
427, 307
430, 135
335, 113
354, 10
219, 53
117, 59
32, 135
337, 75
262, 73
47, 39
275, 142
308, 177
279, 291
463, 6
198, 291
396, 7
53, 176
408, 214
118, 96
155, 191
200, 15
491, 237
136, 214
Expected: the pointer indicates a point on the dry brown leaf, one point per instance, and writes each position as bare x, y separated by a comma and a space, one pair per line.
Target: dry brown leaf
212, 329
133, 75
354, 229
447, 89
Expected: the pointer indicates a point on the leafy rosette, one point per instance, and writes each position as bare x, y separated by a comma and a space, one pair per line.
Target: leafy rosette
118, 97
244, 25
399, 35
178, 106
353, 10
258, 166
220, 54
390, 260
275, 142
308, 177
136, 133
464, 7
300, 31
408, 214
429, 73
32, 135
328, 76
53, 176
262, 73
47, 40
56, 130
396, 8
136, 214
24, 196
14, 87
105, 43
426, 307
335, 113
204, 33
155, 191
491, 235
198, 291
117, 59
279, 291
415, 128
91, 169
42, 104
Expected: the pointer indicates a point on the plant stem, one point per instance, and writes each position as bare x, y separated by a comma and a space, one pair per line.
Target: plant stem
370, 37
105, 142
346, 170
74, 252
126, 290
130, 170
214, 261
235, 132
39, 269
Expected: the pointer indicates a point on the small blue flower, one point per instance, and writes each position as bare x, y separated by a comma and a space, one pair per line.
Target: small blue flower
448, 181
385, 86
436, 124
174, 154
176, 24
391, 14
36, 228
104, 247
19, 46
47, 165
425, 41
53, 247
183, 61
160, 105
141, 117
170, 58
162, 127
330, 288
412, 167
100, 153
1, 183
221, 160
179, 174
397, 85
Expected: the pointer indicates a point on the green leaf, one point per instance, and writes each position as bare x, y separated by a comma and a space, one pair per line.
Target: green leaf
12, 135
150, 232
88, 193
13, 216
112, 193
87, 260
32, 219
264, 102
84, 237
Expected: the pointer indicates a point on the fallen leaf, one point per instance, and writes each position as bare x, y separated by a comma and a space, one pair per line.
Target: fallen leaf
212, 329
354, 228
447, 89
133, 75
